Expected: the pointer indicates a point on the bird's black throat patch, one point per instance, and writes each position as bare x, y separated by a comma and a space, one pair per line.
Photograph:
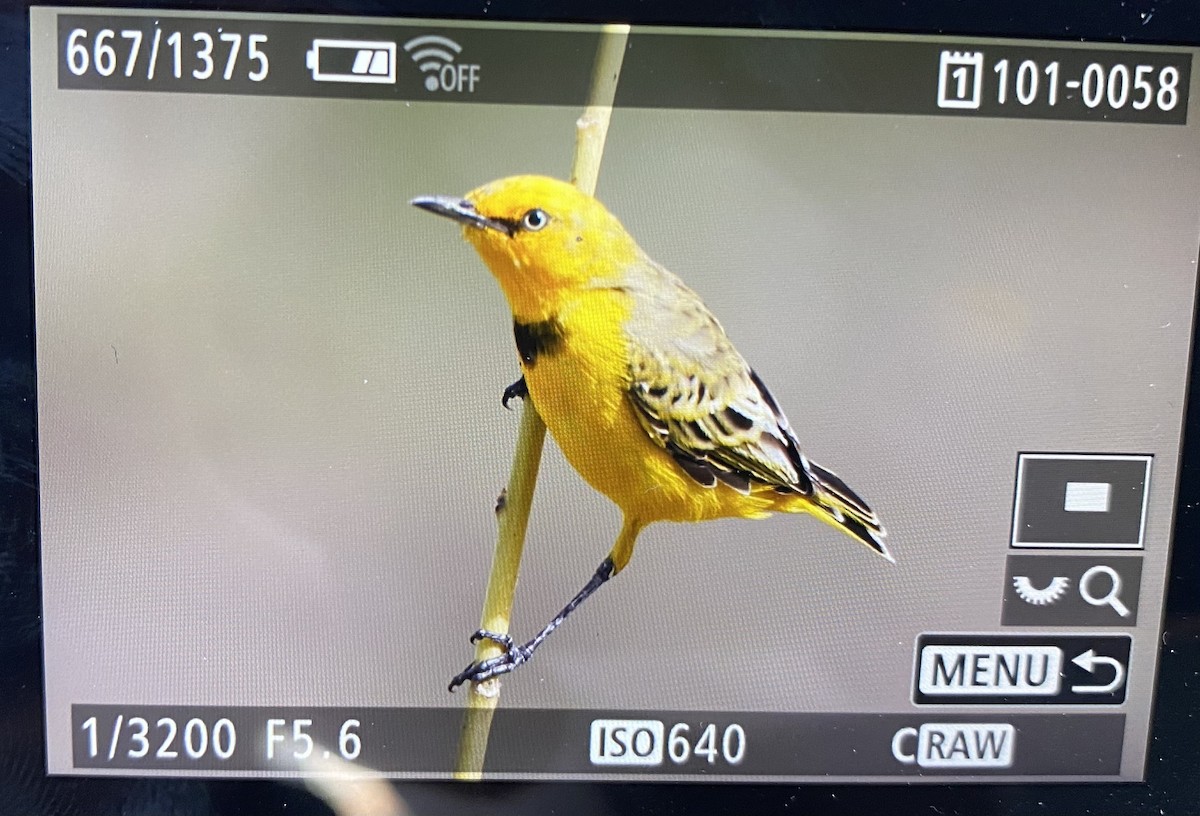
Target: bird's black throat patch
535, 340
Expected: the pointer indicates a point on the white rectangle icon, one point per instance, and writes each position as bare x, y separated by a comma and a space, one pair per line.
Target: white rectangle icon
1088, 497
371, 62
956, 745
996, 671
626, 742
1082, 497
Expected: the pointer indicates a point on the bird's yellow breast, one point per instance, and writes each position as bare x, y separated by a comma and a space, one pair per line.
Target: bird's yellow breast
579, 385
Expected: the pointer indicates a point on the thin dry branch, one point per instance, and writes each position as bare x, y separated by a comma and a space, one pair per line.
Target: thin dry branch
513, 514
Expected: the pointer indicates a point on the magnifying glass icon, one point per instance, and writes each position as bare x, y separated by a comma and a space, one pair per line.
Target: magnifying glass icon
1110, 598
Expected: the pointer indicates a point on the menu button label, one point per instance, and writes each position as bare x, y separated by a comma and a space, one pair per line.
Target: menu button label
990, 670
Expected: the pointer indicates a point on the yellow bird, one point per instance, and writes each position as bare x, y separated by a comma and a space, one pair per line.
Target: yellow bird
635, 379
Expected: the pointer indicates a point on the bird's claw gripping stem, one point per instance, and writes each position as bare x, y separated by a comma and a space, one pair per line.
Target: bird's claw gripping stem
501, 639
514, 655
517, 390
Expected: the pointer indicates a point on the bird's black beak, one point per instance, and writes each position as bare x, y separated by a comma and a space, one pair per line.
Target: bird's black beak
460, 210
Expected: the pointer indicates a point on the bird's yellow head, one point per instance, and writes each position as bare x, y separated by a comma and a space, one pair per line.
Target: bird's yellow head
543, 239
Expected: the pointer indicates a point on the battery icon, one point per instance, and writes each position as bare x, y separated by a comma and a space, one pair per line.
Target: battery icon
352, 61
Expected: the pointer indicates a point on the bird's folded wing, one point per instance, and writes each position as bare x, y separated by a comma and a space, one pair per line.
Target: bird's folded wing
696, 397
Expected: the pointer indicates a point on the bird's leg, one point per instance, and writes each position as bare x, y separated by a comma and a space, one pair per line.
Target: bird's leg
518, 390
515, 654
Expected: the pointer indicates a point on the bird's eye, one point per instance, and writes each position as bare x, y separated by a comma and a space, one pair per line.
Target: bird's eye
534, 220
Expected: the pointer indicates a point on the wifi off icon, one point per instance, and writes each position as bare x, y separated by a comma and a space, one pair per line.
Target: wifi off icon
435, 56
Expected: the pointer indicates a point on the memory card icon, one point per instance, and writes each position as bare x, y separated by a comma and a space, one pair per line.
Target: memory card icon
352, 61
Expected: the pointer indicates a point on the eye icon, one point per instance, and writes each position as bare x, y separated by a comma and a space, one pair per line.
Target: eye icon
1040, 597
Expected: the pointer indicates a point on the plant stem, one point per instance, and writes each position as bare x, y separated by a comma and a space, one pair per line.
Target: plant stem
592, 128
513, 508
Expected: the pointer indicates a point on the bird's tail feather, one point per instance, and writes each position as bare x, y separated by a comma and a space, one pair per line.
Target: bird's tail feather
839, 506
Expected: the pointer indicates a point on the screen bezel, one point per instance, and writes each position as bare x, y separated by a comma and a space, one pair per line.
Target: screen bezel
1174, 753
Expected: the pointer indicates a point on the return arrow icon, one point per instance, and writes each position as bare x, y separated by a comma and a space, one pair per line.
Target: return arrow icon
1089, 661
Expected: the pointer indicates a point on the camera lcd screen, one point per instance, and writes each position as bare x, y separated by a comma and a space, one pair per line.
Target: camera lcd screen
864, 371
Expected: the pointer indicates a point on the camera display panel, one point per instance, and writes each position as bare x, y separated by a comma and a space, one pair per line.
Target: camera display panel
864, 372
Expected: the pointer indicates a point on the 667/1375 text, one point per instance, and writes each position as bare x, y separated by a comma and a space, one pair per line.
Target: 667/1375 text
218, 55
